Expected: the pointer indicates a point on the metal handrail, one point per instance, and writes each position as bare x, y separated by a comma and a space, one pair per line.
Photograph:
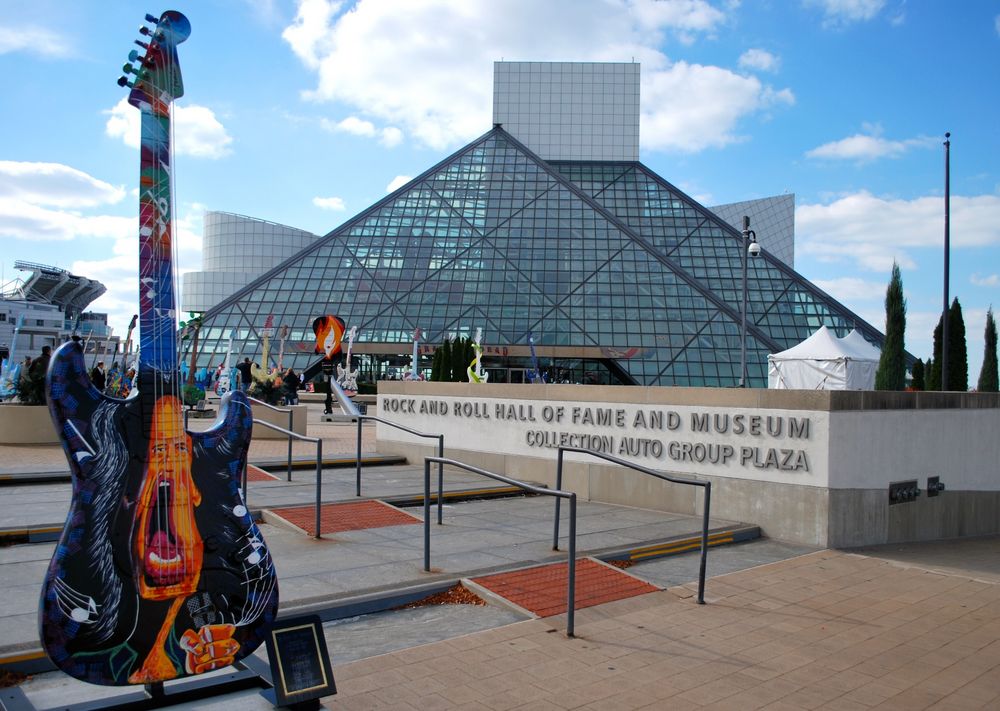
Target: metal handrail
707, 485
571, 584
438, 437
319, 463
291, 426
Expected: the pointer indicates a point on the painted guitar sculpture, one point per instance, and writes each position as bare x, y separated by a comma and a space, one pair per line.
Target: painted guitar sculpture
10, 371
160, 572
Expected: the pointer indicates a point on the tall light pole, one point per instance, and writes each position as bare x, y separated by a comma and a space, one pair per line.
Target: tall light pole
750, 247
947, 249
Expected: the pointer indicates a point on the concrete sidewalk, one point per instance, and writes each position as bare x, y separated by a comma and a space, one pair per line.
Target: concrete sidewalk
903, 628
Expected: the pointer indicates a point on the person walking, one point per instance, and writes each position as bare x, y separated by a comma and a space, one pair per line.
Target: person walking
291, 382
98, 377
244, 369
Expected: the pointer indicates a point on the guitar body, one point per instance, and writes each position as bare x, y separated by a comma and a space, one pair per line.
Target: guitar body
95, 624
160, 572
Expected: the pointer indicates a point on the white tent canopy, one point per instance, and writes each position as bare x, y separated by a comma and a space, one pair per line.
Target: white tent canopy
825, 362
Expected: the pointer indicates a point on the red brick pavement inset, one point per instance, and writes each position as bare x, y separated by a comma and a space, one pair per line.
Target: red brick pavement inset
542, 590
255, 473
349, 516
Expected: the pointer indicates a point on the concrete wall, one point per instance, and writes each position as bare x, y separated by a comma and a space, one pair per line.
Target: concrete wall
833, 491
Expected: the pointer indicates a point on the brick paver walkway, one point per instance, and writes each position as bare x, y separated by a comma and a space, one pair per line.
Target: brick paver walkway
350, 516
542, 589
829, 630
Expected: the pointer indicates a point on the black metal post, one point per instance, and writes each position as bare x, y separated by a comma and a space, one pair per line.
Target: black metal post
357, 464
319, 484
559, 470
291, 421
947, 256
571, 602
440, 476
427, 516
704, 543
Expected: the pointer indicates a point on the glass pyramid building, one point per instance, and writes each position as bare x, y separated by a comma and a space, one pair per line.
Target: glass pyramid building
620, 277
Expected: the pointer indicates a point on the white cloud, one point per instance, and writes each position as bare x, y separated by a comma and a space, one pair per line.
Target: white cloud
852, 289
44, 201
352, 125
759, 60
863, 148
874, 231
991, 280
54, 184
426, 67
694, 107
34, 40
391, 137
398, 182
330, 203
197, 132
840, 13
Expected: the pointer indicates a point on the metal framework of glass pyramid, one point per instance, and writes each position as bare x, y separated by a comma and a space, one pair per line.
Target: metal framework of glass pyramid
602, 262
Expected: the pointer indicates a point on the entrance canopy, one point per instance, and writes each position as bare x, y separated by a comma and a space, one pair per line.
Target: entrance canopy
824, 362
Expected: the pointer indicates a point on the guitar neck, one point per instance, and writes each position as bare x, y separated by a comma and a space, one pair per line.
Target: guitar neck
157, 307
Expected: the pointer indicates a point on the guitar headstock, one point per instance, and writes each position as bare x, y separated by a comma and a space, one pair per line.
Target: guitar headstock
157, 73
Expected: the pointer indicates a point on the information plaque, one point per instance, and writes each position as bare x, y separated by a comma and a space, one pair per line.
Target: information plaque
300, 663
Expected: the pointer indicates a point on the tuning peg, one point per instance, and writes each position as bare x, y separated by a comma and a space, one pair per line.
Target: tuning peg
145, 31
123, 82
129, 69
151, 18
142, 44
133, 56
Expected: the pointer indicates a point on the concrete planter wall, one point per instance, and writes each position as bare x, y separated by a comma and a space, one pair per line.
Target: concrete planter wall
280, 419
26, 424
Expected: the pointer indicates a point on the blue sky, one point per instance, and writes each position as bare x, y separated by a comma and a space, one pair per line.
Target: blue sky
305, 112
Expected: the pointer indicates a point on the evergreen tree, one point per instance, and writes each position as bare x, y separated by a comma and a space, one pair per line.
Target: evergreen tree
891, 373
988, 375
458, 361
436, 365
958, 356
918, 375
933, 370
446, 361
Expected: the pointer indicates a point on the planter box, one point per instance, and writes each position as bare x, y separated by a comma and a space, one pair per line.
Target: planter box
27, 424
280, 419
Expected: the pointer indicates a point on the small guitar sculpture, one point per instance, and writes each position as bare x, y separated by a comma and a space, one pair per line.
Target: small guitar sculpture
160, 571
535, 375
262, 373
118, 384
10, 371
224, 384
475, 369
414, 372
347, 378
282, 336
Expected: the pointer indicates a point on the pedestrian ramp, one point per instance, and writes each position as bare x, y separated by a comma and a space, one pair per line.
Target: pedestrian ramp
540, 591
339, 517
